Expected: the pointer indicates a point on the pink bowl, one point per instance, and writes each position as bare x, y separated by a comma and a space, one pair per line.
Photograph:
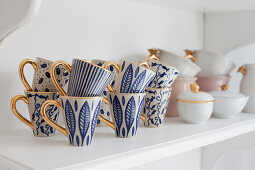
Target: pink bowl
211, 83
179, 86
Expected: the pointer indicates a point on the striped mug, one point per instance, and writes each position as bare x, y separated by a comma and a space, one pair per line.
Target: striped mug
86, 78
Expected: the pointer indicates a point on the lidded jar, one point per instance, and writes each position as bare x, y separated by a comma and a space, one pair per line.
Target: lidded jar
195, 106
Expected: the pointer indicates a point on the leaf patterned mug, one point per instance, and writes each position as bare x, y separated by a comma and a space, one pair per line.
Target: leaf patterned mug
80, 115
34, 101
130, 77
126, 110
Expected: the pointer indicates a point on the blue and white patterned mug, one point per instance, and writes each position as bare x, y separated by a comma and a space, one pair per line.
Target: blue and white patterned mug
86, 78
34, 101
156, 102
131, 77
126, 110
80, 114
41, 79
165, 74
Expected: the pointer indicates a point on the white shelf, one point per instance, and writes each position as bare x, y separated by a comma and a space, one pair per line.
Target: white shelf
205, 5
26, 151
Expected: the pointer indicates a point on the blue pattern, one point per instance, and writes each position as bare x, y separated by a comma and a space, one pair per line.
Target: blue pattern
41, 128
70, 119
127, 79
165, 75
128, 110
156, 103
84, 120
86, 79
81, 123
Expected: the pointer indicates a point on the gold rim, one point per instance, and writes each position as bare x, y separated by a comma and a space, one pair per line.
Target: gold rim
73, 97
26, 91
193, 101
126, 93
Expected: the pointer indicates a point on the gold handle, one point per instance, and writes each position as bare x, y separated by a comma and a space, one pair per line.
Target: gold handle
101, 118
242, 70
142, 117
16, 112
48, 120
190, 55
116, 66
53, 75
21, 72
145, 64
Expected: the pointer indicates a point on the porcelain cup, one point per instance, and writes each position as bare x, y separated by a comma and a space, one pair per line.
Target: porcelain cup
34, 101
211, 83
186, 68
105, 108
165, 74
41, 79
86, 78
131, 77
126, 109
179, 86
156, 102
211, 63
80, 115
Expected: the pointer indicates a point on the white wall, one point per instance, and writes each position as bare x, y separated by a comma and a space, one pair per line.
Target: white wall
109, 30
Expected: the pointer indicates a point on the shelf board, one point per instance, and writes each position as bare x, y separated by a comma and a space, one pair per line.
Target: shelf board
108, 151
205, 5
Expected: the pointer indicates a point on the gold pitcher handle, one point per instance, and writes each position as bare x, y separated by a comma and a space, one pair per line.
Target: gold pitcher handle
53, 75
242, 70
101, 118
116, 66
190, 55
21, 72
17, 113
48, 120
154, 52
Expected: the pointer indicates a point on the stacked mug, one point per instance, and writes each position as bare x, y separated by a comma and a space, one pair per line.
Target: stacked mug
42, 90
127, 97
81, 103
215, 69
159, 91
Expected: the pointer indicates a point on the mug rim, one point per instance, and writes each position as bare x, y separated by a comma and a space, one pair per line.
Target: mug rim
152, 88
87, 61
126, 93
73, 97
40, 92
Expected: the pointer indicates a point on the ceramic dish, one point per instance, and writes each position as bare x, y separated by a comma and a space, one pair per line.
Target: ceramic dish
185, 66
195, 106
211, 63
228, 104
211, 83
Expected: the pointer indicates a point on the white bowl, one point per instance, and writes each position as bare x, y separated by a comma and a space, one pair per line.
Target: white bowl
185, 66
212, 64
195, 112
227, 106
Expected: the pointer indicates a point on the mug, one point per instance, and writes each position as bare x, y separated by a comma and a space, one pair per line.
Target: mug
156, 102
41, 79
131, 77
80, 114
126, 110
105, 108
165, 74
34, 101
86, 78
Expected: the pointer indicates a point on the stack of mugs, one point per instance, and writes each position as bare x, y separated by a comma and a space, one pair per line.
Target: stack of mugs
215, 69
42, 89
187, 75
127, 97
159, 90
